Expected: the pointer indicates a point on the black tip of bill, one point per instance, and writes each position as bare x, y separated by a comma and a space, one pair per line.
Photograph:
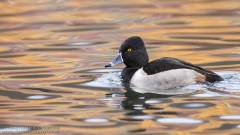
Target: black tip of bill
108, 65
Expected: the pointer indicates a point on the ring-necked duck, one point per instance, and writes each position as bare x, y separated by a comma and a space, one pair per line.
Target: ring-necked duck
162, 73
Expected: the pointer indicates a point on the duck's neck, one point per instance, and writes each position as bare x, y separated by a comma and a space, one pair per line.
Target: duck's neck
127, 73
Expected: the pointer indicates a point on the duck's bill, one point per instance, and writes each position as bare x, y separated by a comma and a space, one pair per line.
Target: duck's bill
117, 60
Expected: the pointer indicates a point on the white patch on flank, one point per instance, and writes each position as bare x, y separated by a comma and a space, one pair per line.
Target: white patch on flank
165, 80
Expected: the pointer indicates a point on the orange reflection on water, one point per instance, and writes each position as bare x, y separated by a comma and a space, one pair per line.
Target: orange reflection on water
48, 49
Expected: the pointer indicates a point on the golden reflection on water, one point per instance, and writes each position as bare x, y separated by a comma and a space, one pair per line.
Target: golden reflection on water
48, 46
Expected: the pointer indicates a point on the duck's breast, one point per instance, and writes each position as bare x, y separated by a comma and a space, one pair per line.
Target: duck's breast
167, 79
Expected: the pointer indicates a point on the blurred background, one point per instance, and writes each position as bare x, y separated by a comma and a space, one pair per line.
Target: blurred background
49, 48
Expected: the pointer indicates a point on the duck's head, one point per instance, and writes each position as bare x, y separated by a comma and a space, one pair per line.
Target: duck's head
132, 53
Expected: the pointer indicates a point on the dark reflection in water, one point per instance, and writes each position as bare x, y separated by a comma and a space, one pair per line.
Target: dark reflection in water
30, 110
52, 49
227, 127
198, 38
20, 68
140, 101
137, 130
11, 56
46, 90
82, 29
52, 55
58, 103
23, 96
87, 106
5, 105
79, 44
167, 113
32, 76
54, 115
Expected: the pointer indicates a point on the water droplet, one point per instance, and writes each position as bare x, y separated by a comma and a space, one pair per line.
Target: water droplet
96, 120
194, 105
179, 121
203, 95
37, 97
137, 105
142, 117
138, 108
14, 129
230, 117
152, 101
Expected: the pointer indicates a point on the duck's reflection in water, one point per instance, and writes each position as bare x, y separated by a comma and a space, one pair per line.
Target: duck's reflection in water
134, 102
138, 99
147, 106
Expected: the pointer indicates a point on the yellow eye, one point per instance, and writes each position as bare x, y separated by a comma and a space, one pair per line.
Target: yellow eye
129, 49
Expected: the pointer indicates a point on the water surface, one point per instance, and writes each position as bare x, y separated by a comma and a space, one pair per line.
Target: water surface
52, 54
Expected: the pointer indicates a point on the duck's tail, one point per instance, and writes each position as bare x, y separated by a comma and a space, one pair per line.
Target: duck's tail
213, 78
